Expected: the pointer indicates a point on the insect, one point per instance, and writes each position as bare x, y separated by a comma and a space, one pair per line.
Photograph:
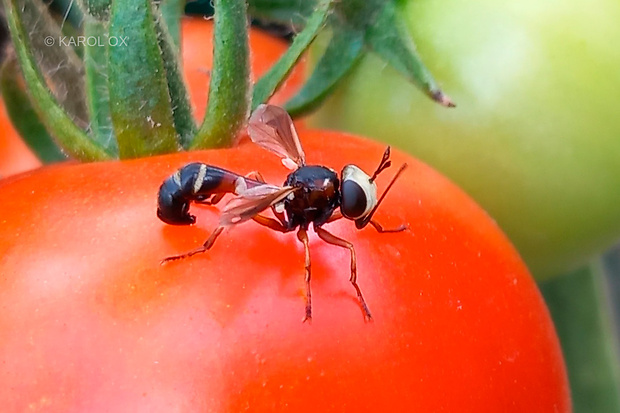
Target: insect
312, 195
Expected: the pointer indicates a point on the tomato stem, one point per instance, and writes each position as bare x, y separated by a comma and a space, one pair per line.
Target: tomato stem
229, 91
98, 94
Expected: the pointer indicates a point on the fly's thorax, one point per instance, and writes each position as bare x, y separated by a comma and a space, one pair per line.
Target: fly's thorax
318, 195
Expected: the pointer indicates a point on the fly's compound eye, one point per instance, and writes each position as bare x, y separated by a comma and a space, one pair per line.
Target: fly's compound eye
359, 194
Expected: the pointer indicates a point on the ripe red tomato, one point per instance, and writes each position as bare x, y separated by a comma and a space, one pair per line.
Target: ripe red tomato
15, 156
91, 321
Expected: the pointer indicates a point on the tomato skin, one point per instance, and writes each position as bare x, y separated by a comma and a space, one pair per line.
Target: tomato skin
92, 322
533, 138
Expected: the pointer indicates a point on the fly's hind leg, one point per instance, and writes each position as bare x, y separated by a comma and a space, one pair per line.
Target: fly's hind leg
334, 240
205, 247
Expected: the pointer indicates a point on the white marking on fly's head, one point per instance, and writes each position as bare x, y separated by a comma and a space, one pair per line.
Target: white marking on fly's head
240, 186
176, 178
355, 174
289, 164
200, 178
326, 182
279, 207
291, 196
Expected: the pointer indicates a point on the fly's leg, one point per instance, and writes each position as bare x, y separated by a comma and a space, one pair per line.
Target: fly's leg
271, 223
339, 242
257, 176
205, 247
302, 235
336, 215
382, 230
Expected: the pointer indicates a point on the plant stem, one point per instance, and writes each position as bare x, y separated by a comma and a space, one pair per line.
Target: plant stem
229, 91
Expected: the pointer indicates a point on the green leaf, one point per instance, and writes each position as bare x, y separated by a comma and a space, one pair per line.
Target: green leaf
181, 106
389, 38
344, 50
229, 90
23, 115
268, 84
98, 95
141, 107
580, 306
68, 134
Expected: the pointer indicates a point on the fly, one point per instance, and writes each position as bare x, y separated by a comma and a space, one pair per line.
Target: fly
312, 195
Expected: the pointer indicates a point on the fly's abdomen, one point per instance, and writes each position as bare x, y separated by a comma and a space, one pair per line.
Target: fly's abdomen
193, 182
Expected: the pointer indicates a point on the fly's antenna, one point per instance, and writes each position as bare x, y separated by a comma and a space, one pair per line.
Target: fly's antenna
361, 223
385, 163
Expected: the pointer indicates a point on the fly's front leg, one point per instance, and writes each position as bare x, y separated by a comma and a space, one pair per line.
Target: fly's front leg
302, 235
334, 240
382, 230
336, 215
205, 247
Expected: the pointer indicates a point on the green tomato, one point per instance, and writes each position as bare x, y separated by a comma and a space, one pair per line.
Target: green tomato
535, 138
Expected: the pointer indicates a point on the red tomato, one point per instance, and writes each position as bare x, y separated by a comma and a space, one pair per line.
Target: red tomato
15, 156
91, 321
197, 50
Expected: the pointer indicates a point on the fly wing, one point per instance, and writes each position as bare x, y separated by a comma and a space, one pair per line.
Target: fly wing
252, 202
272, 128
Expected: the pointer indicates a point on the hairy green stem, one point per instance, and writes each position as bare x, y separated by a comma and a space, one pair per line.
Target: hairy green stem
141, 106
229, 91
179, 97
98, 95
